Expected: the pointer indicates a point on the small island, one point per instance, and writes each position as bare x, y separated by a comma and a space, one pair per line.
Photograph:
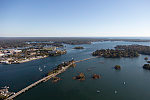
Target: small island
95, 76
146, 58
148, 61
146, 66
117, 67
78, 47
55, 79
80, 77
141, 49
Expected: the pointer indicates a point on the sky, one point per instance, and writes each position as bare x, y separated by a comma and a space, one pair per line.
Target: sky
74, 18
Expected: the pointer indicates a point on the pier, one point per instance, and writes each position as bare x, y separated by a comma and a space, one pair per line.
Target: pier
45, 79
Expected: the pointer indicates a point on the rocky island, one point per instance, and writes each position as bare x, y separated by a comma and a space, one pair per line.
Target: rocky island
148, 61
80, 77
146, 58
55, 79
78, 47
95, 76
117, 67
146, 66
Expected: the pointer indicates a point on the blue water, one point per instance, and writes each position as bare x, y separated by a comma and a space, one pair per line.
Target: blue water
137, 80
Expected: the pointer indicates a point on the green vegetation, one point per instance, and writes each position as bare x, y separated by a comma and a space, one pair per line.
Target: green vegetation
111, 53
135, 48
2, 97
148, 61
146, 58
55, 79
78, 47
117, 67
95, 76
6, 43
80, 77
60, 67
29, 54
146, 66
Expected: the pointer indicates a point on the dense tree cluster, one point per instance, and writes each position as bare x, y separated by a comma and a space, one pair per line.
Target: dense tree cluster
111, 53
96, 76
117, 67
14, 42
80, 77
78, 47
136, 48
60, 66
146, 66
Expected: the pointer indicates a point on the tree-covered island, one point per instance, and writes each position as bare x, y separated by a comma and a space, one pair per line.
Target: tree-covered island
113, 53
141, 49
78, 47
123, 51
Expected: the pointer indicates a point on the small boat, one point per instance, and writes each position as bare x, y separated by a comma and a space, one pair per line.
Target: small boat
115, 92
44, 66
40, 69
98, 91
6, 87
124, 83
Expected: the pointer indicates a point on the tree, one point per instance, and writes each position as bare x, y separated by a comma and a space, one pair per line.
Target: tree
146, 58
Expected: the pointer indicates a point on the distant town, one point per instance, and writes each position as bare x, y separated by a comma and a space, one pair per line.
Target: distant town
25, 54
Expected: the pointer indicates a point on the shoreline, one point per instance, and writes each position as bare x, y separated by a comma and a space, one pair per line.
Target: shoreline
44, 79
49, 76
22, 61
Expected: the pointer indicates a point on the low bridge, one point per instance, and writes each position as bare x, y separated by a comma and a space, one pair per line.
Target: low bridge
44, 79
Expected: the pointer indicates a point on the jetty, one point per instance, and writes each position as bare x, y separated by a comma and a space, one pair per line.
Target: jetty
45, 79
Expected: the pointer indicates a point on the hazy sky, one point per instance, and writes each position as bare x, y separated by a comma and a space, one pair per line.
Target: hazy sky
74, 18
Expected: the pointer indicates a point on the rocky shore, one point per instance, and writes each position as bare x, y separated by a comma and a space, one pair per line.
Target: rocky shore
78, 47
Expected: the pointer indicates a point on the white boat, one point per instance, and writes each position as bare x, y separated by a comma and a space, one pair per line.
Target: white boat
98, 91
40, 69
124, 83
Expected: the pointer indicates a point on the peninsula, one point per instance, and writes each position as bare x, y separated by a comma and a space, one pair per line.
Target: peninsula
16, 56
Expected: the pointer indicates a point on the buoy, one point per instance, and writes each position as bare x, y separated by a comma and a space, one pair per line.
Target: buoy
115, 92
98, 91
124, 83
